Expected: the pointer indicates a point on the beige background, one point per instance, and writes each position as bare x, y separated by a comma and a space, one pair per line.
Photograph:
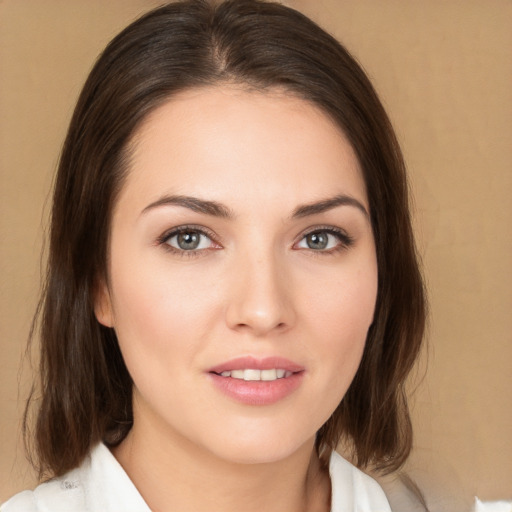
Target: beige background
444, 71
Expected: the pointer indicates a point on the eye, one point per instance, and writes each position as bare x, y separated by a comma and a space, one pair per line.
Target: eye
188, 239
326, 239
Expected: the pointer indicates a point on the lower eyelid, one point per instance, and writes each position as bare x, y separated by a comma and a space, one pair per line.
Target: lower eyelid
343, 238
191, 250
181, 229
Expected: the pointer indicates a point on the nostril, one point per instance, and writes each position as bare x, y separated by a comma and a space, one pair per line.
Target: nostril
259, 309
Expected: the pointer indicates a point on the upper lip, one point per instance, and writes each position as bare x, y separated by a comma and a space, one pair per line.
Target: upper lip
254, 363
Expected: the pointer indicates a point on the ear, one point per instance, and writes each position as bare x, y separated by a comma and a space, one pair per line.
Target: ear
103, 304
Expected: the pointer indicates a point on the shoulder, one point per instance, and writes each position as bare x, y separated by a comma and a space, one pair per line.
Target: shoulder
354, 490
59, 494
100, 483
21, 502
47, 496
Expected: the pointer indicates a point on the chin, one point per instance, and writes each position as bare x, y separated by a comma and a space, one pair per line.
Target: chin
264, 453
260, 446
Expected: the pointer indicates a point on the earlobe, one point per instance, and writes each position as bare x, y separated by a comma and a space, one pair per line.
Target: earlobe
103, 305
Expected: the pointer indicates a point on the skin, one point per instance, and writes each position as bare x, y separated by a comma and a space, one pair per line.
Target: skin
254, 287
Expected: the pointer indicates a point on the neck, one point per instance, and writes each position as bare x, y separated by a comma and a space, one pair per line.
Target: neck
171, 473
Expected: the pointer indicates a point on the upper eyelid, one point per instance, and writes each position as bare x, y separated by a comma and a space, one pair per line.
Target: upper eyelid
187, 227
330, 229
343, 236
323, 227
215, 238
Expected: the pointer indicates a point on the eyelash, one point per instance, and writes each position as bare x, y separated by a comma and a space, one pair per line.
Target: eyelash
345, 240
165, 237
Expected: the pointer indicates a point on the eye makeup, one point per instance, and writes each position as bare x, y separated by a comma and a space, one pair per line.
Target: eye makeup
188, 240
322, 240
193, 240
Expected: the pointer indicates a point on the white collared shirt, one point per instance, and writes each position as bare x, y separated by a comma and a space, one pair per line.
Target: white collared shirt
100, 484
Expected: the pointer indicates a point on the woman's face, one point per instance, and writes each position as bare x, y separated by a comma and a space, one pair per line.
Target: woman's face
242, 272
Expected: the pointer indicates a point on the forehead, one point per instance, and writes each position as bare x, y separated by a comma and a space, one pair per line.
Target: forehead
212, 140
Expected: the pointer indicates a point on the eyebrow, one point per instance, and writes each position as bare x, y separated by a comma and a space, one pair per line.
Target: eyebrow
328, 204
193, 203
216, 209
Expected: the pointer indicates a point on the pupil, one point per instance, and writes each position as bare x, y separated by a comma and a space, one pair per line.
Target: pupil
188, 240
317, 241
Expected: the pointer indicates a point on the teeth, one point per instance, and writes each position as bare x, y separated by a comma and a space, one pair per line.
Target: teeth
268, 374
250, 374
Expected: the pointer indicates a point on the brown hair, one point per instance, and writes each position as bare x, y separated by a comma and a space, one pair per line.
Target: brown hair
85, 386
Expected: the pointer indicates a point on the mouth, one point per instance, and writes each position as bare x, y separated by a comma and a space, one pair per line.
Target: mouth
255, 381
252, 374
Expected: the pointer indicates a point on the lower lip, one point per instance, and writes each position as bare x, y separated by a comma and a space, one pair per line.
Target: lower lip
257, 392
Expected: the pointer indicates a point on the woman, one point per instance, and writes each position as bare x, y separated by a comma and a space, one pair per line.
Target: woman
232, 283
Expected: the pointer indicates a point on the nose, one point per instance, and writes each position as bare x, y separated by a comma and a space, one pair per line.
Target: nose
261, 298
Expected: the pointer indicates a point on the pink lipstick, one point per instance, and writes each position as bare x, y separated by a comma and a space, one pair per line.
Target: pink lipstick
255, 381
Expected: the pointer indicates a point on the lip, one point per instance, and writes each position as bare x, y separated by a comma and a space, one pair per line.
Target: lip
267, 363
257, 392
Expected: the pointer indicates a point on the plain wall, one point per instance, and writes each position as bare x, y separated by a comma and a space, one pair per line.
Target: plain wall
443, 69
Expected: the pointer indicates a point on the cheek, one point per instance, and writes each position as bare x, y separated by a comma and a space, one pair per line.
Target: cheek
346, 301
341, 316
157, 311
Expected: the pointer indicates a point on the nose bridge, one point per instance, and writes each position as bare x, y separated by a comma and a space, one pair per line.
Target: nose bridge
260, 300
